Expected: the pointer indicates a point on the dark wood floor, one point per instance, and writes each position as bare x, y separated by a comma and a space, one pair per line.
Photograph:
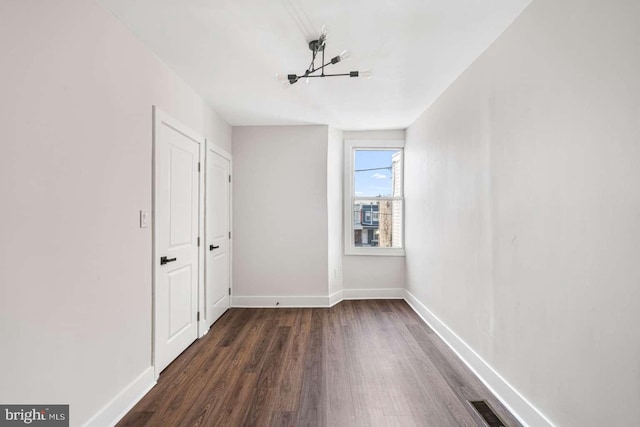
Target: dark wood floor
360, 363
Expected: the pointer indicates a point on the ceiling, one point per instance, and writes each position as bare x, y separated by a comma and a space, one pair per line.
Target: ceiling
230, 51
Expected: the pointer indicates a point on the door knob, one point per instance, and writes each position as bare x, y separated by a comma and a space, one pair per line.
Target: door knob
164, 260
211, 247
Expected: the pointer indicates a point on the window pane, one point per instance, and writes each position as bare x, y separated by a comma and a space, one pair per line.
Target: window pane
377, 223
377, 173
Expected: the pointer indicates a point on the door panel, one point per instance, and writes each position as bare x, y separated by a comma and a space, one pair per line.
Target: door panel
181, 193
180, 300
176, 199
217, 230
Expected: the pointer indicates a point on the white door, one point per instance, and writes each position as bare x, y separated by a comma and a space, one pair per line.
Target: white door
176, 262
217, 245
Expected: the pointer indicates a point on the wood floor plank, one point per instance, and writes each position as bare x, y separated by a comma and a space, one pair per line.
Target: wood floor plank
400, 421
339, 398
312, 410
215, 389
359, 363
261, 406
284, 419
292, 375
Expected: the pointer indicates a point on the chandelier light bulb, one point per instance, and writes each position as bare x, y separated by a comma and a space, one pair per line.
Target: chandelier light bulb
365, 73
322, 40
343, 56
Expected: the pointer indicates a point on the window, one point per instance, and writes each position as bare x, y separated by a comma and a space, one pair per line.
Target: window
373, 197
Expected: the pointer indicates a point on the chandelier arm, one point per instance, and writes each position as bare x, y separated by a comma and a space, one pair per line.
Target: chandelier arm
308, 73
322, 67
329, 75
312, 66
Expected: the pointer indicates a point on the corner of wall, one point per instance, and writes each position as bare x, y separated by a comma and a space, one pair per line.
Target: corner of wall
122, 403
334, 211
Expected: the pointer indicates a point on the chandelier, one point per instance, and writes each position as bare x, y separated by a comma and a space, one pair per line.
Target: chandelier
318, 46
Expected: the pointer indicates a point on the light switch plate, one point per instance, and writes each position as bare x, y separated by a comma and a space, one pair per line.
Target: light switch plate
144, 219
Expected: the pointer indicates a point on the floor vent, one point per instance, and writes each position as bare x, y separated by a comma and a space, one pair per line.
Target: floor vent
484, 410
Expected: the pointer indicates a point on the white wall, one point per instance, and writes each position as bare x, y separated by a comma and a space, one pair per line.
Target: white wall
75, 270
288, 237
335, 154
373, 272
523, 209
280, 224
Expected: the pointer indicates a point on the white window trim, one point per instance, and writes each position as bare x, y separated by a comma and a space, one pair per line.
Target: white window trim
348, 195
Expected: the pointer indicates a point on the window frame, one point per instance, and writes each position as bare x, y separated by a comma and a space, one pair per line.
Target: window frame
349, 197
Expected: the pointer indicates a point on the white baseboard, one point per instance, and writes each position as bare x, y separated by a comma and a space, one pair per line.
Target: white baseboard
382, 293
315, 301
124, 401
335, 298
520, 407
271, 302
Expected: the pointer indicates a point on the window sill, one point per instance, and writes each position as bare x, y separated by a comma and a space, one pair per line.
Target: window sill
374, 251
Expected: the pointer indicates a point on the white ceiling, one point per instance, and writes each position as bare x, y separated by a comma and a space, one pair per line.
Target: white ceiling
230, 50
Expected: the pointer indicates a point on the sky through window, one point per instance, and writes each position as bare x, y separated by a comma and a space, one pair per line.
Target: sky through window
372, 175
